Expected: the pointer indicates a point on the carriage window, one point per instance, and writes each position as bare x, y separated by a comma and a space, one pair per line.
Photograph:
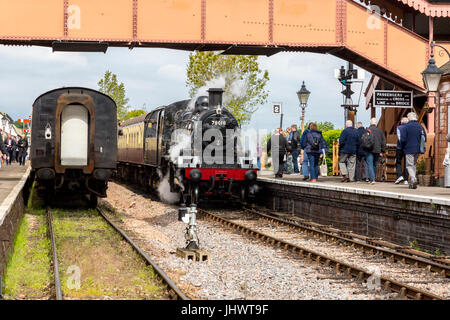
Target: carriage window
152, 125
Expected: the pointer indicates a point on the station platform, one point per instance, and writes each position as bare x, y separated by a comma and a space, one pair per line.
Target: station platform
13, 178
384, 210
436, 195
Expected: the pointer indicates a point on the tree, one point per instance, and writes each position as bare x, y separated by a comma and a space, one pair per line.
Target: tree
325, 126
134, 114
110, 86
242, 80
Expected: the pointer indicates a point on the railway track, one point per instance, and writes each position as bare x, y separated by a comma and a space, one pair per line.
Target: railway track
286, 241
51, 233
173, 291
376, 246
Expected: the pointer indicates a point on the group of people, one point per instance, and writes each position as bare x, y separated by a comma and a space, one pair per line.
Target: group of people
13, 150
290, 145
359, 151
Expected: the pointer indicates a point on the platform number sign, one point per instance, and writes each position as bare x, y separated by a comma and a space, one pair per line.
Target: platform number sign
276, 108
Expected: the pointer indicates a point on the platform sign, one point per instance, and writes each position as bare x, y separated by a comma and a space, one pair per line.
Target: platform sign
393, 99
276, 108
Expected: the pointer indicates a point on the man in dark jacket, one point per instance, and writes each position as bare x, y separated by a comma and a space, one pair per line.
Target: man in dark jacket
278, 145
377, 150
400, 159
295, 147
348, 146
361, 164
23, 146
411, 140
10, 144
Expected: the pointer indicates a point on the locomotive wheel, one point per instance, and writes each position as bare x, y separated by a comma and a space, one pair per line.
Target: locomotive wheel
243, 193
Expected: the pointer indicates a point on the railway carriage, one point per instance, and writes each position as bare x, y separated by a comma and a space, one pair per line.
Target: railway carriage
74, 141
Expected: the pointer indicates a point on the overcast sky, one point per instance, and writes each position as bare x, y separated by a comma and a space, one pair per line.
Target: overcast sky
156, 77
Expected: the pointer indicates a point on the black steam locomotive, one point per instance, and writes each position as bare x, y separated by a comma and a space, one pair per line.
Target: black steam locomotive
74, 141
193, 149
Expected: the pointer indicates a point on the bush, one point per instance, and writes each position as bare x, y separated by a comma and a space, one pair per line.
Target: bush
330, 136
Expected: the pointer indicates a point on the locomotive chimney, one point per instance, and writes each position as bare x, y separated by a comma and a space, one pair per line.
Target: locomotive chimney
215, 97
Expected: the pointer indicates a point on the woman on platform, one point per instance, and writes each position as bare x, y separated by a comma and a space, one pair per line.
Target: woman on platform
316, 147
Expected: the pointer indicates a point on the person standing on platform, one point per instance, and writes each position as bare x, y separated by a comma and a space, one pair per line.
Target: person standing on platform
400, 159
295, 147
374, 149
361, 172
288, 168
9, 146
413, 142
277, 144
305, 161
348, 147
316, 147
23, 146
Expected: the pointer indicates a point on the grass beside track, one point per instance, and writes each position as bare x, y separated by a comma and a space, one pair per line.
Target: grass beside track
108, 266
28, 271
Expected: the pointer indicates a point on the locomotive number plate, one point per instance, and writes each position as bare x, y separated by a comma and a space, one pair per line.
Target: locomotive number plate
218, 122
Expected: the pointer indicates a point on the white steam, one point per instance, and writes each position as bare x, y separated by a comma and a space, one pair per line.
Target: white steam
203, 91
164, 191
182, 141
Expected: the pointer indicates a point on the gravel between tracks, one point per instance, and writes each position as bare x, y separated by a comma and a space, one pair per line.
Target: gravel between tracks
408, 274
239, 267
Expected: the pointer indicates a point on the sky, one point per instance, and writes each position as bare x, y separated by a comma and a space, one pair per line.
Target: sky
155, 77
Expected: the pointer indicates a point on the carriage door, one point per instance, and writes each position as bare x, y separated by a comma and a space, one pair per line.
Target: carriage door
151, 143
74, 135
160, 136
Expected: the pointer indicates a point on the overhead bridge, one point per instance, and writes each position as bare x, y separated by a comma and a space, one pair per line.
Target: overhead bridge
344, 28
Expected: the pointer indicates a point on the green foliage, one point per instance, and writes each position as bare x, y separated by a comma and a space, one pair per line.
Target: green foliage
18, 124
330, 136
325, 126
420, 167
245, 82
134, 114
110, 86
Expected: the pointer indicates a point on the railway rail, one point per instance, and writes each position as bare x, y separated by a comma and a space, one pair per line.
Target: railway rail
173, 290
377, 246
403, 290
57, 281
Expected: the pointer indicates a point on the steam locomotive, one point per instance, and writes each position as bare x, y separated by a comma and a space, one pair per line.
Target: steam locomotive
191, 148
73, 142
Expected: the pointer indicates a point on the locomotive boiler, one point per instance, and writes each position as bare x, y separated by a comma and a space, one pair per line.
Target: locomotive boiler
193, 148
74, 141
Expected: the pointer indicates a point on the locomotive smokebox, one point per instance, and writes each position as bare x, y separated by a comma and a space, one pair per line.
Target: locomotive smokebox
215, 97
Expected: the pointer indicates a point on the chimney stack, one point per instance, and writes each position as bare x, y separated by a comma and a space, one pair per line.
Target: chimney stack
215, 97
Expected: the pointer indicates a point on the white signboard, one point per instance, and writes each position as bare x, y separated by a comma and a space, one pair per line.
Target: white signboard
276, 108
393, 99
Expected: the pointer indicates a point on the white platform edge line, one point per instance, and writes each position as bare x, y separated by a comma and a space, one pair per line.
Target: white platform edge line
7, 204
386, 194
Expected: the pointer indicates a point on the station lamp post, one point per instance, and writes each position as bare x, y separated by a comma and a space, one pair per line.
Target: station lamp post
303, 96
